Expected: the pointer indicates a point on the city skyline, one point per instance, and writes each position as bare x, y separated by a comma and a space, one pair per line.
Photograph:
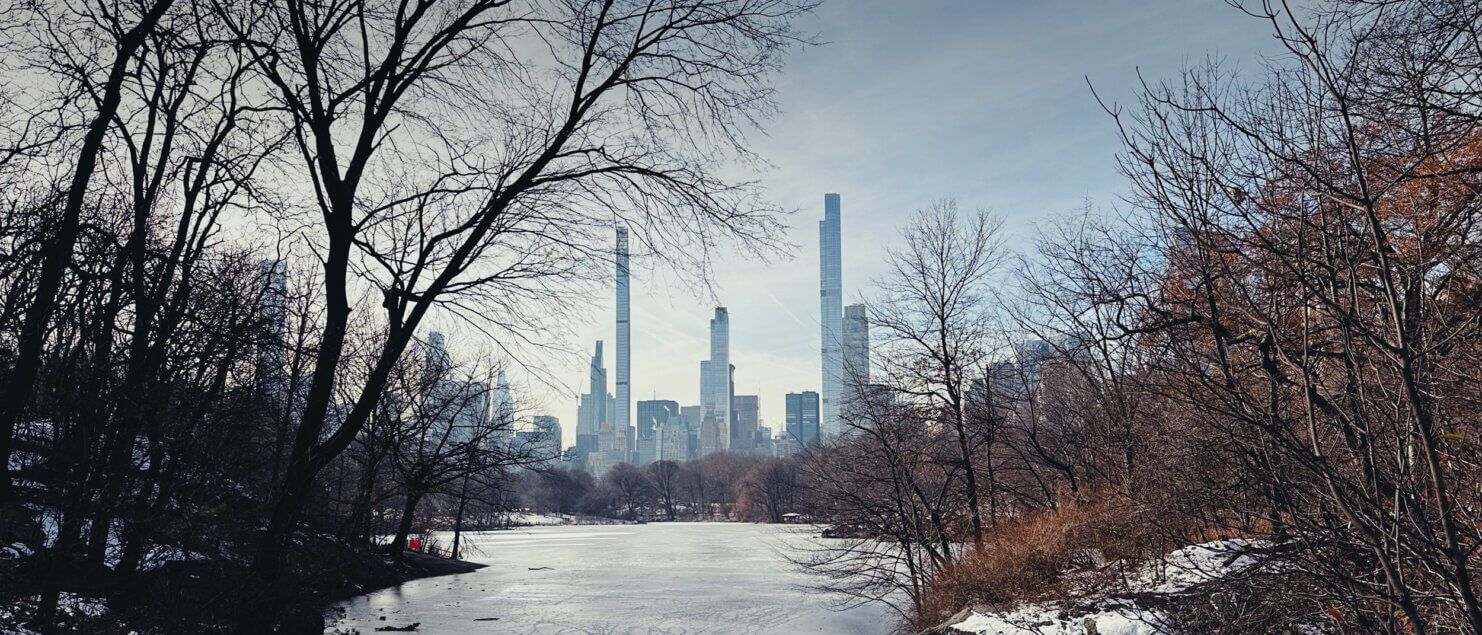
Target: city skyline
844, 363
499, 316
855, 122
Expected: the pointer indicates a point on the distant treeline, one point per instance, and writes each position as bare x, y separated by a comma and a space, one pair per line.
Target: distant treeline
721, 486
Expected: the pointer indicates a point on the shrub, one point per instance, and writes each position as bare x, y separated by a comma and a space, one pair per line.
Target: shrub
1041, 556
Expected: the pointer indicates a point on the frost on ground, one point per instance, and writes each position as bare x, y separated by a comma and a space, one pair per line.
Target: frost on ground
1105, 613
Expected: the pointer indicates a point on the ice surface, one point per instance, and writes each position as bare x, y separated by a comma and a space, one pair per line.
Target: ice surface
672, 578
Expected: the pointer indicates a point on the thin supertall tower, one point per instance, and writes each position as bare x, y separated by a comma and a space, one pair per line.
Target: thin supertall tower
621, 419
831, 305
715, 386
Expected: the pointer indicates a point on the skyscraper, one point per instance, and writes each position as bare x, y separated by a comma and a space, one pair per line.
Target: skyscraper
856, 357
438, 361
745, 411
503, 408
650, 416
715, 387
831, 312
802, 417
586, 440
272, 380
462, 405
547, 437
596, 397
653, 412
692, 419
620, 418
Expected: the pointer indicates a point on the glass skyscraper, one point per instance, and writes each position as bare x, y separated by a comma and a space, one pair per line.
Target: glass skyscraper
596, 411
831, 305
715, 387
745, 414
655, 412
802, 417
856, 357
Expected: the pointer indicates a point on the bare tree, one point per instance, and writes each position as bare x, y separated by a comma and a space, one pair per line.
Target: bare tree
935, 319
646, 100
1316, 305
665, 478
773, 487
630, 487
891, 492
127, 29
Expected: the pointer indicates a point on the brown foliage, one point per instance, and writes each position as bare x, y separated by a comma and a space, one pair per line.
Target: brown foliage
1042, 556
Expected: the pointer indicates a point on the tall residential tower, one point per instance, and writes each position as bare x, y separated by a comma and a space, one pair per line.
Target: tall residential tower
831, 305
715, 387
620, 419
856, 357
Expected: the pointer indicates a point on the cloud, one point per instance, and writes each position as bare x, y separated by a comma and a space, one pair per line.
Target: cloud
984, 101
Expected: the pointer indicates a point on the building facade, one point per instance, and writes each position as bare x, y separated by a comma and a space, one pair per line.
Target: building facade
548, 439
715, 387
831, 313
692, 420
596, 398
856, 359
623, 398
650, 413
745, 412
802, 418
502, 403
672, 441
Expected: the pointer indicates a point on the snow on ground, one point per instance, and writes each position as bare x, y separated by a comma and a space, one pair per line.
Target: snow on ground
159, 555
71, 608
1123, 618
1176, 573
533, 519
1195, 564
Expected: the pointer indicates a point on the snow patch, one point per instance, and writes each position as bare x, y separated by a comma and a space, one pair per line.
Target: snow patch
1175, 573
1196, 564
532, 519
1045, 619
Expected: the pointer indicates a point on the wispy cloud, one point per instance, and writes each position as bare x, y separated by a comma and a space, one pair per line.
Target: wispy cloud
985, 101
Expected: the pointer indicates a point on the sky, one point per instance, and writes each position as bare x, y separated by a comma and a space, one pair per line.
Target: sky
984, 101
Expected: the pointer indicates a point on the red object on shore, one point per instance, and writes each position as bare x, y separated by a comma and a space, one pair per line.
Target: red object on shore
415, 545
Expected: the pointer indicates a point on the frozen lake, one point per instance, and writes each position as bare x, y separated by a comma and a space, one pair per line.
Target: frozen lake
670, 578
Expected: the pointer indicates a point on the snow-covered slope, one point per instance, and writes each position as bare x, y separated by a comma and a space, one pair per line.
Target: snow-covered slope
1114, 612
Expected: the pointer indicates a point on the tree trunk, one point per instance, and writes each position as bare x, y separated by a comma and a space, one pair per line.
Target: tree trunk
57, 253
458, 518
408, 514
